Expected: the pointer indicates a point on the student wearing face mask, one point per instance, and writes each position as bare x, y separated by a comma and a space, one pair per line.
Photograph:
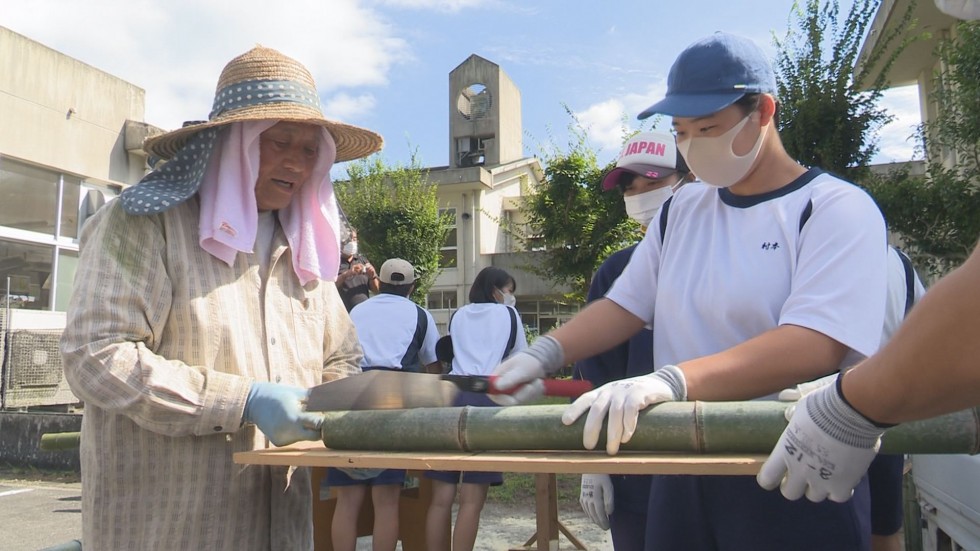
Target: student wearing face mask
648, 171
767, 274
357, 278
482, 333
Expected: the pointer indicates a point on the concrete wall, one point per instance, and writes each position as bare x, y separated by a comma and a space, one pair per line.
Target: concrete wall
503, 121
58, 112
20, 437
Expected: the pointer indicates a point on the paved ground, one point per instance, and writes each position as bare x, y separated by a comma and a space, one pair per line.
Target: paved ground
35, 514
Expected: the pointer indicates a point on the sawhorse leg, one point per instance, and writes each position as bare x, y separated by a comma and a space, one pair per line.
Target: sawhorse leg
546, 512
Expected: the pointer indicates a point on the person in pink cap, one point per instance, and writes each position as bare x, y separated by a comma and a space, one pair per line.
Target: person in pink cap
647, 173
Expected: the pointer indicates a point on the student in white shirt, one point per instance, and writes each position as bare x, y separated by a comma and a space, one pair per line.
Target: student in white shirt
742, 301
483, 333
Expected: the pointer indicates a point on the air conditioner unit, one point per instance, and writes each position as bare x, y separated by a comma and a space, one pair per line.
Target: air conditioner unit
34, 374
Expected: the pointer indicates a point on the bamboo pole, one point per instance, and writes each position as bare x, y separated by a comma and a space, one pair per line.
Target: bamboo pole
685, 427
60, 441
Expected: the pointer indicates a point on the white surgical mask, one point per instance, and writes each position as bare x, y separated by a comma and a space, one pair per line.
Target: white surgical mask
350, 248
642, 206
508, 298
712, 158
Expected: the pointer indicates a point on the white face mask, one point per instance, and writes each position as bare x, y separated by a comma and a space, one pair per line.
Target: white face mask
508, 298
712, 159
350, 248
642, 206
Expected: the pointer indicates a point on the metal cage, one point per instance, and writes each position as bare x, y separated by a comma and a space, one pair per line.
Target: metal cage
33, 371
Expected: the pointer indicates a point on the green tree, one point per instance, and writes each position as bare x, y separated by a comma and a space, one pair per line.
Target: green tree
396, 214
937, 214
829, 114
576, 223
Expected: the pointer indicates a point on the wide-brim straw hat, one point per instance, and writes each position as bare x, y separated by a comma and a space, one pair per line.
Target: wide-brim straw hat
264, 84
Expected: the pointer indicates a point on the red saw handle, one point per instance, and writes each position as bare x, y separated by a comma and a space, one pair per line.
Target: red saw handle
568, 388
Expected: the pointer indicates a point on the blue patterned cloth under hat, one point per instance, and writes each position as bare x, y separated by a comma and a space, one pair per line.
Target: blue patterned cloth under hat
261, 84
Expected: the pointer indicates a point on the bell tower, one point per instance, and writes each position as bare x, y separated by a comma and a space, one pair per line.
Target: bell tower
484, 115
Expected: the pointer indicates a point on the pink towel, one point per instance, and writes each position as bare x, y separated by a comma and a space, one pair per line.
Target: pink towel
229, 214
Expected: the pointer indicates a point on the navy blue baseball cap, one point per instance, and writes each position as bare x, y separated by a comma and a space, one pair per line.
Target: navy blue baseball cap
712, 74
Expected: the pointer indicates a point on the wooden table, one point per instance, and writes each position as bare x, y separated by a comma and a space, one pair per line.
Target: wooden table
543, 464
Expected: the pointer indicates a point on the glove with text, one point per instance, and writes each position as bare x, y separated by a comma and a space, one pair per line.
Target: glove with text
824, 451
623, 400
278, 412
597, 498
523, 372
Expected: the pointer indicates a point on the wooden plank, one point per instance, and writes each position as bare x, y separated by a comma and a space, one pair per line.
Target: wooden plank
313, 454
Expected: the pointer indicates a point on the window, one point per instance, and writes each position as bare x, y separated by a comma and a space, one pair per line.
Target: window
448, 254
28, 197
24, 270
441, 300
41, 215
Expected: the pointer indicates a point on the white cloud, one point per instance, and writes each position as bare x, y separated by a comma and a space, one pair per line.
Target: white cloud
607, 122
895, 142
176, 50
439, 5
346, 107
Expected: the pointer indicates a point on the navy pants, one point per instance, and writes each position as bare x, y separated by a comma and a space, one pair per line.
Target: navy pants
732, 513
885, 483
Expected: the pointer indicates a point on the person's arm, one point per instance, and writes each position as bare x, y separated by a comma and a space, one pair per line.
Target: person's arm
928, 368
598, 327
763, 365
930, 365
119, 309
374, 282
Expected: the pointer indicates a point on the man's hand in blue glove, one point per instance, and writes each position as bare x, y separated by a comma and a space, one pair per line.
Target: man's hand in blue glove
278, 412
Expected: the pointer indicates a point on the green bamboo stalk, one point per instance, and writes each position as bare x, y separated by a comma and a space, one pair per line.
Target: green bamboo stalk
60, 441
687, 427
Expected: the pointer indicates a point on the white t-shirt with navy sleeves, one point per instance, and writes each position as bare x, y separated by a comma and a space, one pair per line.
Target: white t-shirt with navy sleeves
386, 325
732, 267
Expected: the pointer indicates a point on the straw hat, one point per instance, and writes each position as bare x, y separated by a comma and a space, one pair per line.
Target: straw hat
264, 84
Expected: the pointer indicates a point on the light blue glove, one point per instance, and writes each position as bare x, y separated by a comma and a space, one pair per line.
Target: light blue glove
278, 412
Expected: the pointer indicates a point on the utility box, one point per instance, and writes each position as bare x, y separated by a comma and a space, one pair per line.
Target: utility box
948, 488
32, 372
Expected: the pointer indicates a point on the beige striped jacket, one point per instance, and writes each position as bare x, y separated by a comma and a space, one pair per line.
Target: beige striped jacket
162, 343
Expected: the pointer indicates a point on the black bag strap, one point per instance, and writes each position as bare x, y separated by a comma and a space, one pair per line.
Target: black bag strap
805, 215
663, 219
513, 332
410, 361
909, 279
906, 261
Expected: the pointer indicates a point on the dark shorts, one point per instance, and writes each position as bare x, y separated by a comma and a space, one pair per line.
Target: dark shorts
336, 477
468, 477
885, 484
732, 513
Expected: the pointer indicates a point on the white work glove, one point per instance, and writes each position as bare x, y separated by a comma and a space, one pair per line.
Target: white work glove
824, 451
623, 401
523, 372
795, 393
597, 498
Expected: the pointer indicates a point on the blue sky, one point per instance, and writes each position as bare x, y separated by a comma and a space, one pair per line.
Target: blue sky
384, 64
